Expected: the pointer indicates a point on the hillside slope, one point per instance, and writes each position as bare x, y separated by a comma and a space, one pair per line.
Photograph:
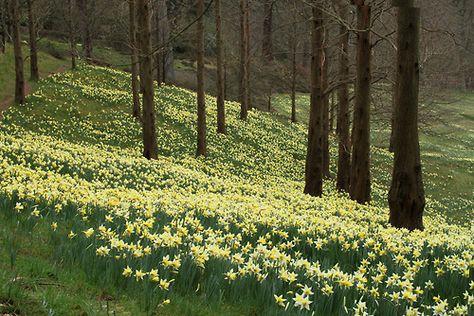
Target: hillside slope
234, 227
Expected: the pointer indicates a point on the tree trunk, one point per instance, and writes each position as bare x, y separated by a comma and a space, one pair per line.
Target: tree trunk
360, 168
314, 158
407, 196
243, 62
150, 150
332, 113
247, 53
344, 159
34, 71
267, 43
134, 58
221, 128
293, 78
167, 56
159, 59
84, 7
324, 86
3, 26
19, 74
72, 31
201, 102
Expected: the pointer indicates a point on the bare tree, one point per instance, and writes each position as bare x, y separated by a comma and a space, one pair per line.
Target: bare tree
407, 196
221, 128
344, 159
243, 87
134, 58
72, 31
3, 25
201, 97
314, 158
16, 38
267, 43
150, 150
86, 8
34, 71
360, 167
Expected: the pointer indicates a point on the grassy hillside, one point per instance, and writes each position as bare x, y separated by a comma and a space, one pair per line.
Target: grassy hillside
48, 65
232, 231
447, 155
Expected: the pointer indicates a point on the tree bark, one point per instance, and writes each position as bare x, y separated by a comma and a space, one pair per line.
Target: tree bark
248, 59
407, 196
360, 167
293, 77
243, 62
134, 58
84, 7
267, 43
3, 26
314, 157
72, 31
344, 159
167, 56
150, 150
324, 86
221, 128
19, 72
34, 71
201, 102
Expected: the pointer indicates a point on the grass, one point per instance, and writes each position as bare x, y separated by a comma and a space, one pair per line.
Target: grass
446, 153
47, 65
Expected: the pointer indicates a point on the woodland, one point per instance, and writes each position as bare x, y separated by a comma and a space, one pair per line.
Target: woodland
237, 157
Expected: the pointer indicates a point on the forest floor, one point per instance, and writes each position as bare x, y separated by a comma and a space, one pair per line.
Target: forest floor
35, 276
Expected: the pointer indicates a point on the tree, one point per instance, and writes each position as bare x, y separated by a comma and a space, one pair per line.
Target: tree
314, 158
16, 38
150, 148
243, 87
344, 159
324, 87
72, 31
407, 196
165, 56
360, 167
34, 71
201, 97
134, 58
3, 26
267, 43
221, 128
86, 8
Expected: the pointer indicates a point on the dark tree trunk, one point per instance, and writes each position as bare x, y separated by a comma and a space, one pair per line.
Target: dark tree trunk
134, 58
85, 9
159, 59
19, 73
72, 31
243, 92
221, 128
344, 159
267, 43
167, 57
360, 167
150, 150
247, 53
324, 86
332, 113
34, 71
407, 196
3, 26
314, 158
293, 78
201, 102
